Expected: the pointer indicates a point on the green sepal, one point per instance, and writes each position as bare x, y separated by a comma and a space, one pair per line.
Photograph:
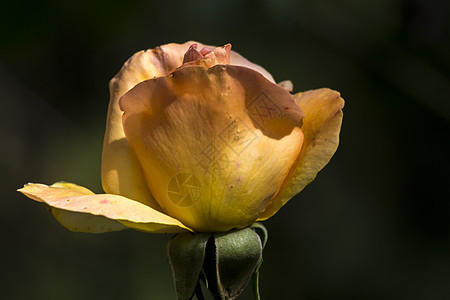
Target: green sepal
238, 253
264, 236
186, 253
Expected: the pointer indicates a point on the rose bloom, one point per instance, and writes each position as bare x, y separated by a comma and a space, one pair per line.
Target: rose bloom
199, 139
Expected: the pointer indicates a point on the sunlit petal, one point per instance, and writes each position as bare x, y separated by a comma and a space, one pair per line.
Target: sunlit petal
105, 212
214, 145
321, 127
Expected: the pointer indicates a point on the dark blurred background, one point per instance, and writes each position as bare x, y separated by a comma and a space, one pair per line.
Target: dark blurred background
374, 225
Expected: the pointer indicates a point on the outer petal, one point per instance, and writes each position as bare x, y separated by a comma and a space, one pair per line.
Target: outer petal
82, 222
214, 144
104, 212
321, 127
121, 173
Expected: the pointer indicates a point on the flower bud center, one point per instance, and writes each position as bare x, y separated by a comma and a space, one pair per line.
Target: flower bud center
207, 57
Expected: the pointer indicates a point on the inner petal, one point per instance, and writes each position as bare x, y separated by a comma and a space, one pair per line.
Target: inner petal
207, 57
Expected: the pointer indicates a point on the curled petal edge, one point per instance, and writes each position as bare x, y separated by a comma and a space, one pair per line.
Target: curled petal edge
321, 128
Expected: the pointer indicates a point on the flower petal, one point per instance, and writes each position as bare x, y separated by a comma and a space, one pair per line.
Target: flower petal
321, 127
81, 222
214, 144
74, 221
121, 173
287, 85
207, 57
106, 212
238, 60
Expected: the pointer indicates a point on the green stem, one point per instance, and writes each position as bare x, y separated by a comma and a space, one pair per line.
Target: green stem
255, 286
255, 277
199, 292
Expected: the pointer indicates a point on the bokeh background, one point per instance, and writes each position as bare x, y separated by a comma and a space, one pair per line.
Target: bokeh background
374, 225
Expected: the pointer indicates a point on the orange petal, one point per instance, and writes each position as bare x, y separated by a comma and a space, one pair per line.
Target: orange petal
121, 173
214, 144
321, 127
80, 210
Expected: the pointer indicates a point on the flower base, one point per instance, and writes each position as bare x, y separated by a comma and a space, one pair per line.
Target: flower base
224, 262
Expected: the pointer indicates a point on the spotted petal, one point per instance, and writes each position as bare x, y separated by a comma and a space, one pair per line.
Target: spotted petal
321, 127
78, 209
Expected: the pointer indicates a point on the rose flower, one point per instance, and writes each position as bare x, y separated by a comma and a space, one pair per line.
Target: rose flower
199, 139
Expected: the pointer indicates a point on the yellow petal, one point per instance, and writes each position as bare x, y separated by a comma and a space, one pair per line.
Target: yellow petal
121, 173
105, 211
75, 188
321, 127
214, 144
82, 222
